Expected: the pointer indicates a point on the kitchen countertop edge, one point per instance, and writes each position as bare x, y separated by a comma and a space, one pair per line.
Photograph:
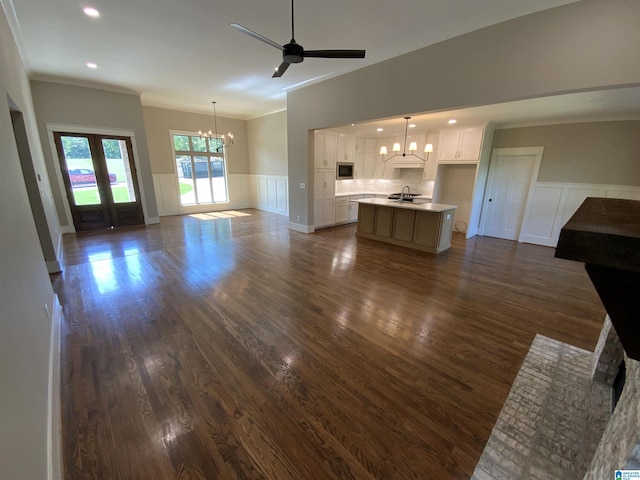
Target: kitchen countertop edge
426, 207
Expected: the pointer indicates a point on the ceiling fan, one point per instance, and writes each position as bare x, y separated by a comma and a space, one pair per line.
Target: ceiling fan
293, 52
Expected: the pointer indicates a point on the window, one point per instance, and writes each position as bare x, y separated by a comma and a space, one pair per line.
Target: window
201, 169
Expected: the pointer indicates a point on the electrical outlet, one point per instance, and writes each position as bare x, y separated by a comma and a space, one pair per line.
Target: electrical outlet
303, 185
297, 218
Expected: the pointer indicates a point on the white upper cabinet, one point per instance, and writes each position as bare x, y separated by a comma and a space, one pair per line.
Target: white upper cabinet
431, 166
325, 149
460, 145
346, 148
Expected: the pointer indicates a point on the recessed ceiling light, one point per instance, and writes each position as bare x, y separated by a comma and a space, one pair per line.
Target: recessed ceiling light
452, 121
379, 129
91, 12
412, 125
91, 65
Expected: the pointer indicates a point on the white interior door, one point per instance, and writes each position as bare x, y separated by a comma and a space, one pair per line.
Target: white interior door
511, 174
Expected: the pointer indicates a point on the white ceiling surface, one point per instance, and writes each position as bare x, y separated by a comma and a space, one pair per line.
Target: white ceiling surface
182, 54
599, 105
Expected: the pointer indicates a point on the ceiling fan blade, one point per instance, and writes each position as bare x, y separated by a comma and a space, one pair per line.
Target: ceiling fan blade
335, 53
281, 69
255, 35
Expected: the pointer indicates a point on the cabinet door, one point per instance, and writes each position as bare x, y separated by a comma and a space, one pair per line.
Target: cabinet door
403, 221
342, 211
318, 150
358, 165
427, 229
448, 145
353, 212
330, 149
431, 166
384, 221
318, 215
329, 211
369, 165
366, 217
470, 142
370, 145
318, 184
346, 148
330, 184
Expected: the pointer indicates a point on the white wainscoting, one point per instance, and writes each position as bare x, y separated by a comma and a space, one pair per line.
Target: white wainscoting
270, 193
552, 204
167, 193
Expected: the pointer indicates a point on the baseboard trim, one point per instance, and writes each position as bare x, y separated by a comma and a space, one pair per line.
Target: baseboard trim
67, 229
301, 228
54, 266
151, 220
54, 463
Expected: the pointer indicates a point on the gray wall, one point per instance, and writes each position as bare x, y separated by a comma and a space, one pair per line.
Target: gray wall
91, 107
25, 287
580, 46
599, 152
268, 144
159, 121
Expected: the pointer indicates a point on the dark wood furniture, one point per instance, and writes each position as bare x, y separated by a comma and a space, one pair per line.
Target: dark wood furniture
604, 233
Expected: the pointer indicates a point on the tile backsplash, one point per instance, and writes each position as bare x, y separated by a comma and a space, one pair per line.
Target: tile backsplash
386, 185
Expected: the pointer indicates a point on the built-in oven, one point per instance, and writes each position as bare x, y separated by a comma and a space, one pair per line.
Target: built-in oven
344, 170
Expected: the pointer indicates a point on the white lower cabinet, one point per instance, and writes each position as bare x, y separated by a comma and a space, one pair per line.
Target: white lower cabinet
346, 211
342, 209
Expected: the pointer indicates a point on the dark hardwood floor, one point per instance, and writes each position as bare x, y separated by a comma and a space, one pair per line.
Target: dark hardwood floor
213, 347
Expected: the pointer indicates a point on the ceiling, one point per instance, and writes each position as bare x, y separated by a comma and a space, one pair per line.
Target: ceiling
182, 54
598, 105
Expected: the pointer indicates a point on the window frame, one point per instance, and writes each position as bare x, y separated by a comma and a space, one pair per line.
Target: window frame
192, 155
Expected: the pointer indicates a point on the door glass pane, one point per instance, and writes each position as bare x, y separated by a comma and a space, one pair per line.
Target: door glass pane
119, 170
218, 180
186, 180
203, 185
77, 156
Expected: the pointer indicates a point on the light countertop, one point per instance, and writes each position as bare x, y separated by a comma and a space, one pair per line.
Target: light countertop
423, 207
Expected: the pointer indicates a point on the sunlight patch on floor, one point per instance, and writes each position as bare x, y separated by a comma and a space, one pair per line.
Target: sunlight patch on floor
216, 215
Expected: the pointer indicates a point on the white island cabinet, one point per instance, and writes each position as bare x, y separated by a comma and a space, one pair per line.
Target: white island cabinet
422, 226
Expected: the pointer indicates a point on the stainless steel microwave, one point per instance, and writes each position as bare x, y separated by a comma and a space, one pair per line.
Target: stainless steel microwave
344, 170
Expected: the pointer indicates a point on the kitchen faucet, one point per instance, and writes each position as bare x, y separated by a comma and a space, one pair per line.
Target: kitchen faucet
402, 192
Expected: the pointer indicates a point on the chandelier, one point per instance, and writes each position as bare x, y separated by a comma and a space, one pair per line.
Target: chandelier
227, 140
413, 146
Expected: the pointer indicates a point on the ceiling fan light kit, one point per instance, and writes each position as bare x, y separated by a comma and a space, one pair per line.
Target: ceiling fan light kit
293, 52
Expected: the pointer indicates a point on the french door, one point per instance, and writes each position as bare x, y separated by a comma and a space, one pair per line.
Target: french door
100, 180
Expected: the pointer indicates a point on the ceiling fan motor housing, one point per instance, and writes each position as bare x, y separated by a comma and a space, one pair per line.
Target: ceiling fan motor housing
293, 53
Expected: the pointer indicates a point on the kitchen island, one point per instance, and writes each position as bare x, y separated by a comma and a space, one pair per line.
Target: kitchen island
422, 226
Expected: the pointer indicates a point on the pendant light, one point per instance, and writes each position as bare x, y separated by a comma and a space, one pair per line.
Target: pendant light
227, 140
413, 146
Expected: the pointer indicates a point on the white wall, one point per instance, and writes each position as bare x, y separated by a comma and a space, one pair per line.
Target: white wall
26, 296
580, 46
268, 144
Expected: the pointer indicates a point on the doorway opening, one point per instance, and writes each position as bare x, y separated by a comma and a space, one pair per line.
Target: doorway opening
31, 180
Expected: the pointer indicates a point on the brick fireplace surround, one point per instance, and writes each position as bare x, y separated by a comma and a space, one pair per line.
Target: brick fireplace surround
556, 421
